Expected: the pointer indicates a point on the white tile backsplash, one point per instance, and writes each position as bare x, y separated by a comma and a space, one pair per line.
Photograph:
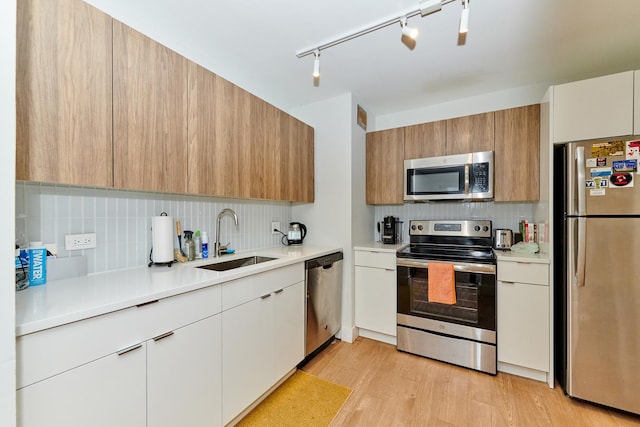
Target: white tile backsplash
502, 215
122, 220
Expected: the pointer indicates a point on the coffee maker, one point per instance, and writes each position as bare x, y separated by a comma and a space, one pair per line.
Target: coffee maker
390, 230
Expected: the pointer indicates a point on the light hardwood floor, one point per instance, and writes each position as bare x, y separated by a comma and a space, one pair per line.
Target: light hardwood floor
391, 388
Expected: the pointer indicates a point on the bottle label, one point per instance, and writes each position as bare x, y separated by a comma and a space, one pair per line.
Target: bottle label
37, 266
205, 250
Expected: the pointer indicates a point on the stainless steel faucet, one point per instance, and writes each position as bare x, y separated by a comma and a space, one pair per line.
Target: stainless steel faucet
219, 249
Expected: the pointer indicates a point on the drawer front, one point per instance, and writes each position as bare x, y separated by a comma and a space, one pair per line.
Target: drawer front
239, 291
46, 353
175, 312
522, 272
384, 260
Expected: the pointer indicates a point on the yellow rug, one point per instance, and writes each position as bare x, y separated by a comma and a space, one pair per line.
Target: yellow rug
302, 400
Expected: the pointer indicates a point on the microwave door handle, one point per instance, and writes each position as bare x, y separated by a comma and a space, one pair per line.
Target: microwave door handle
466, 178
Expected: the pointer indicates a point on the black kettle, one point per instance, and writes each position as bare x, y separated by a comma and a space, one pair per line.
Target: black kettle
297, 232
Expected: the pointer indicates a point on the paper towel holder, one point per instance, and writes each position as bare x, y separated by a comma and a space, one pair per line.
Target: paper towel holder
168, 263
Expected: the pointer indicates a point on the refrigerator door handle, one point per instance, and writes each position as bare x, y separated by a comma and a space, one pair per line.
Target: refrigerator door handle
582, 251
581, 175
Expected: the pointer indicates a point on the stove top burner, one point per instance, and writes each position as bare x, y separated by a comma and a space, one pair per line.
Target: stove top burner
450, 241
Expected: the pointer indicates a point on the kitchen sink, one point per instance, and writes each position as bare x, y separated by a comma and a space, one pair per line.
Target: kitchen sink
236, 263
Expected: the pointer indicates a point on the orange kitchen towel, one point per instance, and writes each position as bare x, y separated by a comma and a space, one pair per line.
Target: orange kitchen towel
442, 283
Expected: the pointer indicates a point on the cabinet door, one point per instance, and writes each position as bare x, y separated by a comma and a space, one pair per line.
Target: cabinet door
469, 134
375, 299
523, 325
184, 376
110, 391
149, 113
595, 108
288, 329
304, 192
425, 140
385, 166
63, 93
247, 355
636, 103
517, 154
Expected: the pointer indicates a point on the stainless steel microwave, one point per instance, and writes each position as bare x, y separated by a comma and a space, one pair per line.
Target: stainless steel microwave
460, 177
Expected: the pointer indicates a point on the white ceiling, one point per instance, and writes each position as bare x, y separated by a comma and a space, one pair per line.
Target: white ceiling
510, 44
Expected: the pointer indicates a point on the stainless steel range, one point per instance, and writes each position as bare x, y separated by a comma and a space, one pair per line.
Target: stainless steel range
461, 331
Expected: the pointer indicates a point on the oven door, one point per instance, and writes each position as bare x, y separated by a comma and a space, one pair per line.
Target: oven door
475, 286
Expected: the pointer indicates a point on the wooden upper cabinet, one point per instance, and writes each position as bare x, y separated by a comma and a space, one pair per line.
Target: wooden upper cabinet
517, 154
149, 113
213, 149
470, 134
304, 183
63, 93
425, 140
385, 166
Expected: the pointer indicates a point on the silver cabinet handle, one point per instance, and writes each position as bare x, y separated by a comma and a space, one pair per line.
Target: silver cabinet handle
129, 349
163, 336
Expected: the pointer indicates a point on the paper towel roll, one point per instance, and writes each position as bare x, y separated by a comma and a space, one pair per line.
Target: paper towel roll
162, 234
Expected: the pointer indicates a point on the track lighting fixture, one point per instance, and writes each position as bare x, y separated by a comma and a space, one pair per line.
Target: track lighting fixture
316, 64
464, 17
426, 7
408, 31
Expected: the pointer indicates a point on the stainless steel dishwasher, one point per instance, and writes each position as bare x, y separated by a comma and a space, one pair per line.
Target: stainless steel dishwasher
324, 300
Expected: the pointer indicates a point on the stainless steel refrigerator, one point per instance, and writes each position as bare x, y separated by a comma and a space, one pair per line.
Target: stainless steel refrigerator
597, 274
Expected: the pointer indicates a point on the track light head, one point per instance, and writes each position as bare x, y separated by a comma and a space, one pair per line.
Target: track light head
464, 17
316, 64
408, 31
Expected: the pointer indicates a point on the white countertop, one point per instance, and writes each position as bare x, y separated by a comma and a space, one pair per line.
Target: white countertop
68, 300
380, 247
541, 258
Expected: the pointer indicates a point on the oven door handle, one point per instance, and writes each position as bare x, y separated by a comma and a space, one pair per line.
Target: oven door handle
462, 267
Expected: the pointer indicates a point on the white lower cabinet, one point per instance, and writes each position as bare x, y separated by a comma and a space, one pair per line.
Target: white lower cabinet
263, 340
157, 364
184, 376
375, 291
110, 391
524, 319
195, 359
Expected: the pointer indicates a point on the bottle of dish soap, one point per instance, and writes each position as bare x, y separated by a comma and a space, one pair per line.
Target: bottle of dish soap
205, 245
189, 245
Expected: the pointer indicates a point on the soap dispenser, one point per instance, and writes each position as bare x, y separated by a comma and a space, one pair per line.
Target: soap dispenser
189, 245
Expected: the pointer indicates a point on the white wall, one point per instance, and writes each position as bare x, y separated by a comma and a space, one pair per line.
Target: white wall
329, 219
7, 178
463, 107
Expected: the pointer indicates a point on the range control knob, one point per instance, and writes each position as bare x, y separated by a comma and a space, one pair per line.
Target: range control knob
476, 228
420, 227
413, 227
485, 228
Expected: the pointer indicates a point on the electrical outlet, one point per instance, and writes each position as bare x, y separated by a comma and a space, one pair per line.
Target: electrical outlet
275, 225
74, 242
